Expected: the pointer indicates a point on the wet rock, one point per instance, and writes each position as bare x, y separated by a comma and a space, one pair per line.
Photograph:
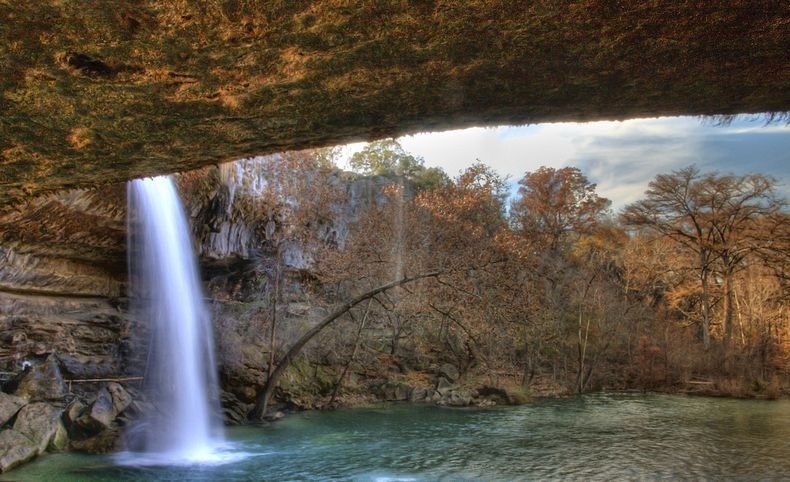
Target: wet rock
494, 394
120, 398
9, 406
458, 398
15, 449
450, 372
98, 417
234, 410
39, 422
102, 443
60, 440
43, 382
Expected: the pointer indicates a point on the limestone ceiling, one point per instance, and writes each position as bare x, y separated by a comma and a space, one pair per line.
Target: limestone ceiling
106, 90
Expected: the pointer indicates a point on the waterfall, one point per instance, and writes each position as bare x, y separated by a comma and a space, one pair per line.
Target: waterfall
165, 290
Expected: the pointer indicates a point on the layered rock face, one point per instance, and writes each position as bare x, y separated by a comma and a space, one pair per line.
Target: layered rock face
63, 275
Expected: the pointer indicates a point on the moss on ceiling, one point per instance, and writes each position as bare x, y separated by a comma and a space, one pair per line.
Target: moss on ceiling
105, 90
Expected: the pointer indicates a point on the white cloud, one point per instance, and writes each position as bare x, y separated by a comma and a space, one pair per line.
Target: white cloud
620, 156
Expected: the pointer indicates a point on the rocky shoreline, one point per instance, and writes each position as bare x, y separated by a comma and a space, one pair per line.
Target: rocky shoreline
41, 412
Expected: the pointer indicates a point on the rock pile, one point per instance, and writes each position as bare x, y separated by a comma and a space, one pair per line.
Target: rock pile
43, 416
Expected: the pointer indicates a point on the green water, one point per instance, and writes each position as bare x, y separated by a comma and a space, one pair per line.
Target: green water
598, 437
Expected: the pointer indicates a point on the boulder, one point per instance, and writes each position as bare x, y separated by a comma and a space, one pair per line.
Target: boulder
450, 372
110, 401
39, 422
418, 395
458, 398
9, 406
73, 412
98, 417
43, 382
120, 398
15, 449
60, 440
443, 386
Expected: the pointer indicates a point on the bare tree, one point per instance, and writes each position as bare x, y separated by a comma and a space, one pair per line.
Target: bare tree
717, 217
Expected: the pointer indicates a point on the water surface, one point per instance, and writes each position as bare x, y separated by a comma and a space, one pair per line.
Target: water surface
593, 437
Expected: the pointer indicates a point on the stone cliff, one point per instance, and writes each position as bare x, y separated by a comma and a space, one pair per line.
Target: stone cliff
63, 274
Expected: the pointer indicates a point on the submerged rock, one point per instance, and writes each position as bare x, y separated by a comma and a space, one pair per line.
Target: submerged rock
15, 449
43, 382
9, 406
39, 422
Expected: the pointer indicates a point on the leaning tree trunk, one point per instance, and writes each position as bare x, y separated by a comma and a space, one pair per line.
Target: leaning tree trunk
262, 403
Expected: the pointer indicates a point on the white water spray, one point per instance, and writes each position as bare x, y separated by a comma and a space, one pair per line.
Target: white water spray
166, 291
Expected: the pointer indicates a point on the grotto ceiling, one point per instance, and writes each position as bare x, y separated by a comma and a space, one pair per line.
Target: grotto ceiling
107, 90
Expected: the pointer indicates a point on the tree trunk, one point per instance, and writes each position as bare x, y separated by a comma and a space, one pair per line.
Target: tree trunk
729, 308
705, 303
262, 403
357, 338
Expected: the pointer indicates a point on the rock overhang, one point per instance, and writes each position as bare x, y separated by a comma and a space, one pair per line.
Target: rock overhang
112, 90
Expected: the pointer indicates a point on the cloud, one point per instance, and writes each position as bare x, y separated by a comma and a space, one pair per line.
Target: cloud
620, 156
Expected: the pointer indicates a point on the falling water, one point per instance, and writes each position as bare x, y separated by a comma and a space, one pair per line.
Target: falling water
166, 291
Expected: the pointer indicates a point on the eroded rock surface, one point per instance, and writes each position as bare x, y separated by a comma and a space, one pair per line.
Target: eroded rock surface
15, 449
42, 382
93, 96
9, 406
39, 422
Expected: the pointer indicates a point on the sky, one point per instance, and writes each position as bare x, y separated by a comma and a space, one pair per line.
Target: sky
621, 157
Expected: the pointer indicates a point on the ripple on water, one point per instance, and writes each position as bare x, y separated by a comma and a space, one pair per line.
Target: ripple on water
602, 437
